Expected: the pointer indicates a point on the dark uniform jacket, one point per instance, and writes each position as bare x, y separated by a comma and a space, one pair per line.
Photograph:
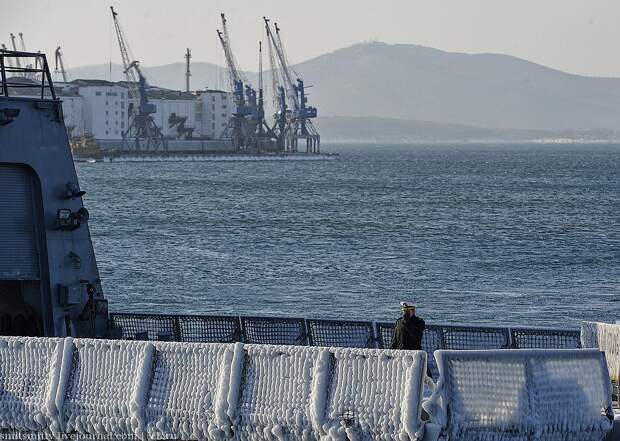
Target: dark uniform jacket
408, 333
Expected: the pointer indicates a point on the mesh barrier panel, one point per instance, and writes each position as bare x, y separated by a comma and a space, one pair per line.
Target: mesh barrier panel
338, 333
209, 329
147, 326
465, 337
524, 395
274, 331
524, 338
385, 332
346, 334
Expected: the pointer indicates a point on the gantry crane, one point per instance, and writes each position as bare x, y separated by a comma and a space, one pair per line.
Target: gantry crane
298, 120
279, 94
142, 133
240, 127
264, 135
247, 128
60, 66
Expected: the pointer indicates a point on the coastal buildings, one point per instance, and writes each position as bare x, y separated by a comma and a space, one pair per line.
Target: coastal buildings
102, 109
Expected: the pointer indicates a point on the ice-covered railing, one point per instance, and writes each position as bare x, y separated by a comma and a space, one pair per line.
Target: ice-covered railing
606, 337
169, 390
337, 333
520, 395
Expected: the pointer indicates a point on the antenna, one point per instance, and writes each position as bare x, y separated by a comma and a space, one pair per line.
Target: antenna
188, 74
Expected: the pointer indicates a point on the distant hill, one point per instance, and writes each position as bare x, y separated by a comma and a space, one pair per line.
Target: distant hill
171, 76
410, 82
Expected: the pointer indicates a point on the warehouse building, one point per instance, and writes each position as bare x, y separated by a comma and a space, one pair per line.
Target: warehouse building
101, 109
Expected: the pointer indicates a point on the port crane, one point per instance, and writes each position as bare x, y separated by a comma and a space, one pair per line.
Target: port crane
299, 123
240, 127
247, 128
264, 134
60, 66
142, 133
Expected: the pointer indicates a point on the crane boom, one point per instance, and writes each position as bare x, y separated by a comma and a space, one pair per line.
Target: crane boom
233, 71
59, 63
21, 39
17, 62
122, 44
285, 71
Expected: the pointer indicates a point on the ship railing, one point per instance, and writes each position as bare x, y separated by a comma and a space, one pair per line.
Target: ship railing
332, 333
30, 77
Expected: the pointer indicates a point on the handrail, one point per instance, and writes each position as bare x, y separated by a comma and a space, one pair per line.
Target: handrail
30, 76
173, 322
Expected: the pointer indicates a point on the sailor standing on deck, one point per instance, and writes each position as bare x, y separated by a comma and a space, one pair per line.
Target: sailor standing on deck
408, 329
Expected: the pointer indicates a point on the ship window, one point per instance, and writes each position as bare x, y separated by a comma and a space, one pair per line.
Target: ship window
223, 115
106, 113
122, 94
106, 103
213, 116
106, 132
98, 93
213, 98
122, 104
122, 124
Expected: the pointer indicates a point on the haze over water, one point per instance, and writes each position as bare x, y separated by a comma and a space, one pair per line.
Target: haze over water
508, 234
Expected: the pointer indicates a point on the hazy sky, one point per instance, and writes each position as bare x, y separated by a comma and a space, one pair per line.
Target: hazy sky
578, 36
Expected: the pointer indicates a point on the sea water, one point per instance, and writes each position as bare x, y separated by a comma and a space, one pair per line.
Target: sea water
494, 234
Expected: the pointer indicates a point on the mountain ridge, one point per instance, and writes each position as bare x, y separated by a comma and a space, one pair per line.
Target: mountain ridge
406, 81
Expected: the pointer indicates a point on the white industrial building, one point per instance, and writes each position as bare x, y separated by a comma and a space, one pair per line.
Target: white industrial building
217, 108
105, 108
100, 109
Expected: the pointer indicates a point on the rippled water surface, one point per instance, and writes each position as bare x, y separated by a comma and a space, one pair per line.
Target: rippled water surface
509, 234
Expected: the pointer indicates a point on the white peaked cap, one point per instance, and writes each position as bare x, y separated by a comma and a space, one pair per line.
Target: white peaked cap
407, 305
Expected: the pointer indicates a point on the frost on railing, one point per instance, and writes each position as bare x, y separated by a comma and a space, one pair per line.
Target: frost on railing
169, 390
605, 337
29, 369
531, 394
184, 389
375, 393
278, 378
105, 388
